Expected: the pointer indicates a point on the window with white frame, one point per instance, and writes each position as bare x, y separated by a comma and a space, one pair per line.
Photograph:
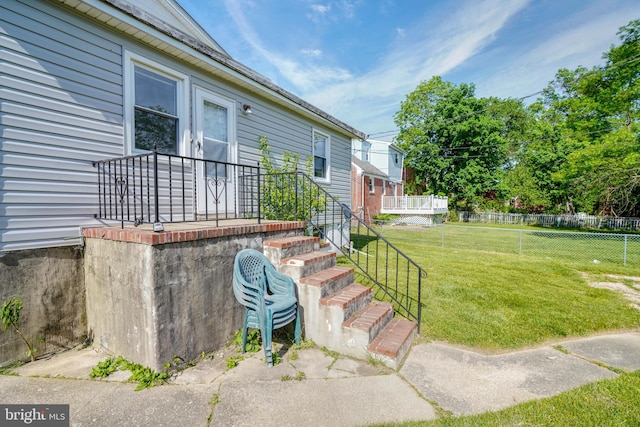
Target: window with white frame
321, 143
154, 106
372, 185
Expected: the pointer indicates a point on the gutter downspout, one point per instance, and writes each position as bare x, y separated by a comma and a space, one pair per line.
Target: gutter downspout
362, 193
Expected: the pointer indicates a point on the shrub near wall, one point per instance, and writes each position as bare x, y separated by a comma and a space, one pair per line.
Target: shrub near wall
50, 283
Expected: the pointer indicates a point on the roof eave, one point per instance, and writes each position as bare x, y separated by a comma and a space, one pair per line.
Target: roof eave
136, 24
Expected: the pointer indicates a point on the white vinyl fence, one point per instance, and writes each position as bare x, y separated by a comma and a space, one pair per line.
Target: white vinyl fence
560, 221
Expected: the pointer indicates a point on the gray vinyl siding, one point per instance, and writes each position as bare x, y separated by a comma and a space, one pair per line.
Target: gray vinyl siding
383, 157
62, 108
287, 131
395, 169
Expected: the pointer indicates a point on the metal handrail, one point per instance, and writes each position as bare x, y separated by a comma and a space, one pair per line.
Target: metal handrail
155, 188
297, 196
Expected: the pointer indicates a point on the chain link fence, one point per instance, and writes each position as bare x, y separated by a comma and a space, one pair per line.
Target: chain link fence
622, 249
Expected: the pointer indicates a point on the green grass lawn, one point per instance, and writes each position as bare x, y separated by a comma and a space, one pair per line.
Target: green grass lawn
528, 240
611, 402
499, 301
496, 302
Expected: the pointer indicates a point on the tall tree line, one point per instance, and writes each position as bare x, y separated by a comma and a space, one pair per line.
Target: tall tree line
576, 149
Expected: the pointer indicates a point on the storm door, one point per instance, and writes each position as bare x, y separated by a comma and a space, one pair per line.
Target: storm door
215, 142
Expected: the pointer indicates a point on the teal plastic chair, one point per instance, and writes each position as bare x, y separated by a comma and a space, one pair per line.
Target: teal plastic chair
269, 298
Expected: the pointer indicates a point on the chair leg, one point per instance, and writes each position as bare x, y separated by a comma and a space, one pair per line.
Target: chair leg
266, 340
297, 327
244, 331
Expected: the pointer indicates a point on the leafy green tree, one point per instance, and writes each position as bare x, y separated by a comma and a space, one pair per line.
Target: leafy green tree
458, 145
600, 109
580, 150
541, 152
605, 176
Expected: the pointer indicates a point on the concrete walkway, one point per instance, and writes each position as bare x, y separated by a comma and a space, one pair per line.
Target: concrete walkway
313, 387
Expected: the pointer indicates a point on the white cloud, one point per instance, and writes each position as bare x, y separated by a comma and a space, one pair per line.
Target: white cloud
309, 77
575, 46
433, 47
440, 43
369, 101
320, 9
304, 76
348, 7
316, 53
318, 12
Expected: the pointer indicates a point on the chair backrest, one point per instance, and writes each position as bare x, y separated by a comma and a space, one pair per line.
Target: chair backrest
249, 277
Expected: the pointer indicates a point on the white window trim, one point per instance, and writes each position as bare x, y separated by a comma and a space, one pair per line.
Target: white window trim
327, 178
372, 185
132, 59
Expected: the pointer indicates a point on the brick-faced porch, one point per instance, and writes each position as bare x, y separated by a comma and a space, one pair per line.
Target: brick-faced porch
151, 296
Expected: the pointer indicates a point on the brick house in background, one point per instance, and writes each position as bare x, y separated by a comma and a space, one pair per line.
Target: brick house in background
376, 171
368, 185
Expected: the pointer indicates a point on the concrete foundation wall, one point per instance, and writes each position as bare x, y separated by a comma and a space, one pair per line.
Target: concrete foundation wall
150, 303
50, 283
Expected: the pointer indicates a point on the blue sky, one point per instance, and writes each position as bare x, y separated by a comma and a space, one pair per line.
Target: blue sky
358, 59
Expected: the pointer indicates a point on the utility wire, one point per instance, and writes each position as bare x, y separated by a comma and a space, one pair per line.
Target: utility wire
612, 67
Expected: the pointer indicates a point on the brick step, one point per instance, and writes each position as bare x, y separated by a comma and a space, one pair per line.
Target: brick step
329, 281
287, 247
350, 299
394, 341
371, 319
307, 264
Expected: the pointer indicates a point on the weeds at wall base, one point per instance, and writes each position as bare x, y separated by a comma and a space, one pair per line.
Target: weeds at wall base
144, 376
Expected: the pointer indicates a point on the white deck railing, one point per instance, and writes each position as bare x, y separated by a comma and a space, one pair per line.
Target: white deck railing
426, 205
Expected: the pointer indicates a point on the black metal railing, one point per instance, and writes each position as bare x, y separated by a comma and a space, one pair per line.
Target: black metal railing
296, 196
157, 188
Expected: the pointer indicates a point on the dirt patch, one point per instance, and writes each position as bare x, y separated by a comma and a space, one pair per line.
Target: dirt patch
629, 286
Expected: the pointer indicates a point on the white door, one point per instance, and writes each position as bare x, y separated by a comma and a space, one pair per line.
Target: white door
215, 140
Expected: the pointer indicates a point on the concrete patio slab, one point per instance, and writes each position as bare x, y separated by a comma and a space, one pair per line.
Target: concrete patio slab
465, 382
312, 387
333, 402
620, 350
102, 403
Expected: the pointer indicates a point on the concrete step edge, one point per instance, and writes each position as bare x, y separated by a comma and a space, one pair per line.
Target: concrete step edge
370, 316
331, 274
394, 341
308, 258
347, 295
287, 242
